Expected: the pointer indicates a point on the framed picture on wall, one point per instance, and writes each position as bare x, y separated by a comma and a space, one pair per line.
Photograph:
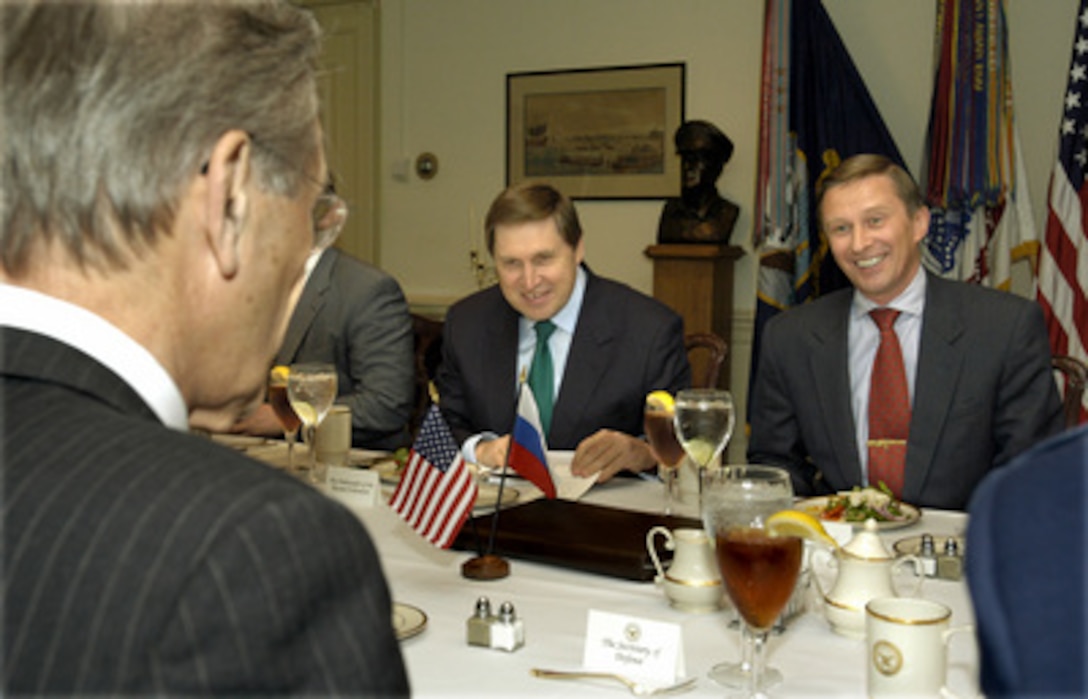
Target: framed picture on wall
597, 133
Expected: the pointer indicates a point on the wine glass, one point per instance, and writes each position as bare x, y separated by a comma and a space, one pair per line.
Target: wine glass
311, 389
661, 434
281, 406
759, 570
704, 423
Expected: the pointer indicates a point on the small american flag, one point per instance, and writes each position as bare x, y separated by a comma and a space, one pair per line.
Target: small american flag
437, 491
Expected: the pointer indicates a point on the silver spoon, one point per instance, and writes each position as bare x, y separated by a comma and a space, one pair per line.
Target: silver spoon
637, 688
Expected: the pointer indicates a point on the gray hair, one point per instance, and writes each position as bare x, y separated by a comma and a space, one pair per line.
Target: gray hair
109, 107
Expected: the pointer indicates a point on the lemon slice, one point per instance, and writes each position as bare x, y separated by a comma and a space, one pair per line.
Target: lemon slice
305, 412
279, 374
661, 401
799, 524
700, 451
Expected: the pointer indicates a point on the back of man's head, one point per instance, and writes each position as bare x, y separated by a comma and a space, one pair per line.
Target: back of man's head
111, 107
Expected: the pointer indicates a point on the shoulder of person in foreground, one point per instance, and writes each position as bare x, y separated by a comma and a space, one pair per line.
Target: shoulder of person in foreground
1027, 524
288, 593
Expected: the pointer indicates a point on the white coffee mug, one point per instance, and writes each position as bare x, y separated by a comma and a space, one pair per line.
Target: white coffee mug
907, 645
334, 438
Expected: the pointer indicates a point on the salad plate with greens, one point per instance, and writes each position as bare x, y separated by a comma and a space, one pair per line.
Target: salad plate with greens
857, 505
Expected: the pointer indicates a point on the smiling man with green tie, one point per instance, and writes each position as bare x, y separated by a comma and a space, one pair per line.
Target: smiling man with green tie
591, 348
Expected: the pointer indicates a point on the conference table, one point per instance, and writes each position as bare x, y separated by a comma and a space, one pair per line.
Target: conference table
553, 604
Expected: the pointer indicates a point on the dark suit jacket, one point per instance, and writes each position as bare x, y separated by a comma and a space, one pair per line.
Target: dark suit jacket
984, 392
625, 345
140, 560
1025, 568
354, 316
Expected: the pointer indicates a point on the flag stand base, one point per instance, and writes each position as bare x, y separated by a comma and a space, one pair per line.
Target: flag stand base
489, 567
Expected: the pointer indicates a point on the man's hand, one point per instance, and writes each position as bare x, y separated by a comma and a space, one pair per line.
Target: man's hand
492, 452
261, 422
609, 452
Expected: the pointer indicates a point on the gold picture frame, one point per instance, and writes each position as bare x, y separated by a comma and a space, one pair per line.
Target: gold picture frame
597, 133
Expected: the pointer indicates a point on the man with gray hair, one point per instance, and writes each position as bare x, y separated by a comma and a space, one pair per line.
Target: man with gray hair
162, 173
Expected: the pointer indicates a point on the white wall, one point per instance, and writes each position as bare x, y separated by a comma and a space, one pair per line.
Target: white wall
443, 68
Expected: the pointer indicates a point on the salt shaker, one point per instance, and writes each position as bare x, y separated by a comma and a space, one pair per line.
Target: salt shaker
508, 631
927, 553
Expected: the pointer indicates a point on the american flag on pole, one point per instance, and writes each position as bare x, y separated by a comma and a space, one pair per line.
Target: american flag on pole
437, 491
976, 186
1063, 261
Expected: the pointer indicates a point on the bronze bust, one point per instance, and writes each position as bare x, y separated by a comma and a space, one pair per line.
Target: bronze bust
700, 214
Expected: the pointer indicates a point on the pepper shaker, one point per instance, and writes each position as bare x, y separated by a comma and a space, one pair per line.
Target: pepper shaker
950, 563
480, 623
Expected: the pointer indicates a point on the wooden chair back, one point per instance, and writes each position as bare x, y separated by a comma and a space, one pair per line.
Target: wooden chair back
427, 336
706, 354
1072, 375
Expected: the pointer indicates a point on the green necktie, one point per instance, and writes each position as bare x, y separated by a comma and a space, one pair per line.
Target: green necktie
541, 374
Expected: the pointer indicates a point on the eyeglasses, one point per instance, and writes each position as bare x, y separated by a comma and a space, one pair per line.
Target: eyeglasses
330, 211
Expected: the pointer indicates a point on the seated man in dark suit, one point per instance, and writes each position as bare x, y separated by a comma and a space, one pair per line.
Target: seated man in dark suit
353, 315
162, 165
607, 344
964, 381
1026, 544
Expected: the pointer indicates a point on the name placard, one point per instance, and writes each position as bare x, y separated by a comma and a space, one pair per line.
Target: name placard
352, 486
634, 647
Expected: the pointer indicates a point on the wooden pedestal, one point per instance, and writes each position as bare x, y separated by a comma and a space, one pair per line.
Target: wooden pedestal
697, 282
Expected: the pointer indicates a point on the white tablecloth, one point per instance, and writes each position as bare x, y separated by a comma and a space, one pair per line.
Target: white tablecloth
554, 602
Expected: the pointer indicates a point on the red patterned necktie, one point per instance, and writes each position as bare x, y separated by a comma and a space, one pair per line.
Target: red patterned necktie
889, 406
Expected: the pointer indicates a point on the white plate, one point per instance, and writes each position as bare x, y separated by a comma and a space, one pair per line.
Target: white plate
238, 441
815, 507
408, 621
488, 495
389, 471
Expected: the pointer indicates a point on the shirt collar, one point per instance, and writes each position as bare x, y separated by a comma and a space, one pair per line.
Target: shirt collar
78, 327
910, 302
567, 317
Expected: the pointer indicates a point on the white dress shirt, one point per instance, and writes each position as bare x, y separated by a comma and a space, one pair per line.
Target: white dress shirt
863, 341
77, 327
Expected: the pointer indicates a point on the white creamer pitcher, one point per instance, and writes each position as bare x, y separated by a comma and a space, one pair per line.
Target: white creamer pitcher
692, 582
865, 570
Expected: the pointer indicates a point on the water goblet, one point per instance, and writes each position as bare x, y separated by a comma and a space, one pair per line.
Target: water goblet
704, 420
281, 406
661, 435
311, 389
759, 570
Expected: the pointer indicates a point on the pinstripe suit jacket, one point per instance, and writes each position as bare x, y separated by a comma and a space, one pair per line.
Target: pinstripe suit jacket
984, 392
139, 560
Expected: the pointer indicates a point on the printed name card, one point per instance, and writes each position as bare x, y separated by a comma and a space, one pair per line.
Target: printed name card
352, 486
634, 647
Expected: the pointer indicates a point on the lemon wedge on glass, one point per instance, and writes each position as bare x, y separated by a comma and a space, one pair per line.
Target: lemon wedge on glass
661, 401
799, 524
279, 374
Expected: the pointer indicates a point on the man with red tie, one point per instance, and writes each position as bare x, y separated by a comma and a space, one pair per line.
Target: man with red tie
915, 381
